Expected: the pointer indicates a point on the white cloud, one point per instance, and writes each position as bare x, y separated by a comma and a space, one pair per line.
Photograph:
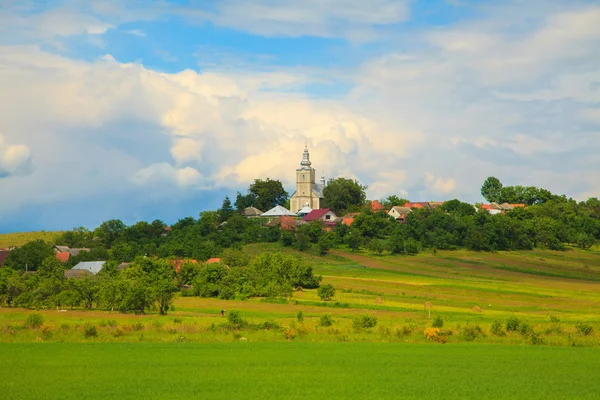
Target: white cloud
165, 173
439, 184
15, 159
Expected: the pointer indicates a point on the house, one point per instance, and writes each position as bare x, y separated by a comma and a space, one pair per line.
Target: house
92, 266
429, 205
304, 211
212, 260
72, 251
323, 214
252, 212
492, 208
178, 263
63, 257
77, 273
166, 231
308, 192
348, 219
399, 213
123, 266
375, 205
284, 222
4, 255
277, 211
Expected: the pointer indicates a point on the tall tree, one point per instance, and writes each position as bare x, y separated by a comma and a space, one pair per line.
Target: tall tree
393, 201
491, 189
30, 255
267, 193
226, 210
342, 193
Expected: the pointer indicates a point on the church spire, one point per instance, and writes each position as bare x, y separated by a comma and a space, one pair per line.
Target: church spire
305, 158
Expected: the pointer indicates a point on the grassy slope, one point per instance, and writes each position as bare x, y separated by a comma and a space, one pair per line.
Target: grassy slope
20, 238
295, 370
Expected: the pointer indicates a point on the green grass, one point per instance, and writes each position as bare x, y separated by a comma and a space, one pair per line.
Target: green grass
295, 371
20, 238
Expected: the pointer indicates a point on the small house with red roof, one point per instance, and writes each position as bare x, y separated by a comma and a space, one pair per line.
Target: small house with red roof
375, 206
178, 263
63, 256
321, 214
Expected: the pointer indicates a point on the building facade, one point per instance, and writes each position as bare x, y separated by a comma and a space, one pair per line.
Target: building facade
308, 192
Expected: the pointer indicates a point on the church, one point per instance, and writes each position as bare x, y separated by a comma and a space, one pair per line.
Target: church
308, 192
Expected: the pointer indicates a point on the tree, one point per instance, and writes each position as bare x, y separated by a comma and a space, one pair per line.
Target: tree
29, 256
491, 189
326, 292
226, 210
325, 243
343, 193
355, 240
393, 201
267, 194
109, 231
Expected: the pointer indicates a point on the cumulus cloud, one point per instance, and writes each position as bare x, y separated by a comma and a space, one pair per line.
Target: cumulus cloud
164, 173
14, 159
439, 184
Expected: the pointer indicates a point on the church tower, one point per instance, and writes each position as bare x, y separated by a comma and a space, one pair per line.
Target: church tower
308, 192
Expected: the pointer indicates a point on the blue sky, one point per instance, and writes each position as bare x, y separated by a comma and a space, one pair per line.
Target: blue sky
144, 110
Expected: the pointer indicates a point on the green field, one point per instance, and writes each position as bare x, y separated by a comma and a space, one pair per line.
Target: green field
20, 238
295, 371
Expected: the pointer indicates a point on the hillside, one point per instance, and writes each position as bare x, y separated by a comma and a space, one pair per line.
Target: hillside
20, 238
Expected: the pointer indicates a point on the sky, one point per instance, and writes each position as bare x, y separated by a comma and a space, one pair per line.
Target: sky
144, 110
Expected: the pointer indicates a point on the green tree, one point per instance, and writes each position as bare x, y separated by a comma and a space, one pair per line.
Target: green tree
267, 194
343, 193
29, 256
491, 189
226, 210
355, 240
109, 231
326, 292
325, 243
393, 200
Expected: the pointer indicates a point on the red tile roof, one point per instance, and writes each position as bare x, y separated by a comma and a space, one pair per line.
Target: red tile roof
63, 256
178, 263
212, 260
376, 206
316, 214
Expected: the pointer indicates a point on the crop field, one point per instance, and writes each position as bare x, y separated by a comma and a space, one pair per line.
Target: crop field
295, 370
20, 238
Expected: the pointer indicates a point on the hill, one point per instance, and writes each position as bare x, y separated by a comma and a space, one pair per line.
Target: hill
20, 238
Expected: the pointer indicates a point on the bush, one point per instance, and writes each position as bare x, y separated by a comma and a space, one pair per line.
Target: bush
34, 320
437, 322
535, 339
326, 320
177, 321
525, 329
90, 330
326, 292
138, 326
404, 331
269, 325
512, 324
472, 332
235, 320
364, 321
497, 329
300, 316
584, 329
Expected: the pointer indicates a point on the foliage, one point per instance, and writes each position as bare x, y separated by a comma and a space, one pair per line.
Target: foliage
235, 320
326, 320
437, 322
512, 324
584, 329
491, 189
472, 332
343, 193
326, 292
364, 321
264, 195
90, 330
29, 256
497, 328
300, 316
34, 320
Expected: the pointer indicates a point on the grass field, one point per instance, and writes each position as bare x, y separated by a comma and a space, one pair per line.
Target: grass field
295, 371
20, 238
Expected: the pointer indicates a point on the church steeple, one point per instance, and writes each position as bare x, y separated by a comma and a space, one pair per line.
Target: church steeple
305, 159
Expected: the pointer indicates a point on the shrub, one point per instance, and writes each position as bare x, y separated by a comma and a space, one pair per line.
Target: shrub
47, 331
554, 318
433, 335
90, 330
326, 320
34, 320
117, 332
157, 324
269, 325
535, 339
326, 292
437, 322
584, 329
112, 323
472, 332
404, 331
138, 326
177, 321
65, 327
497, 329
300, 316
235, 320
512, 324
525, 329
289, 333
364, 321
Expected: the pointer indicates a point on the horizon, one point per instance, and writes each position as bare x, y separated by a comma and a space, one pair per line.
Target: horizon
112, 110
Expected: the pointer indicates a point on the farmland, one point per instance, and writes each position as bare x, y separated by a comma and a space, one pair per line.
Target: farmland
295, 370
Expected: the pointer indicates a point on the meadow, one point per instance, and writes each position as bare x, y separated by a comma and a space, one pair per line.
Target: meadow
20, 238
514, 298
295, 370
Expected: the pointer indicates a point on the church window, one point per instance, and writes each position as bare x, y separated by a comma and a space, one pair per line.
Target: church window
303, 177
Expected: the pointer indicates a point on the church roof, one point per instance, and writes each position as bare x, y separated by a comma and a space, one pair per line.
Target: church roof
305, 164
277, 211
318, 190
304, 210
